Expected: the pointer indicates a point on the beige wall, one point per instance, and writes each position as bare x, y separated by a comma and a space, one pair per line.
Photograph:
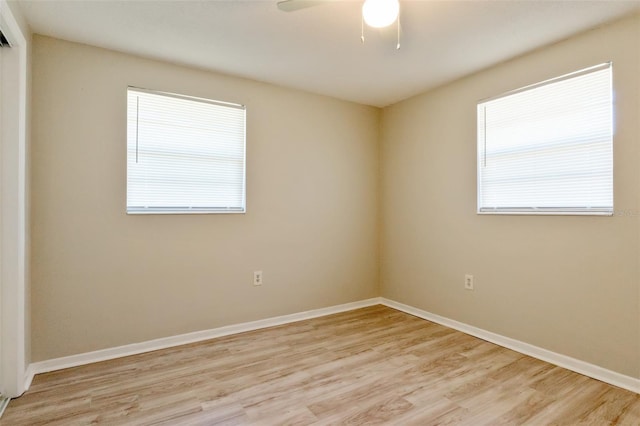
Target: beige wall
101, 278
315, 186
568, 284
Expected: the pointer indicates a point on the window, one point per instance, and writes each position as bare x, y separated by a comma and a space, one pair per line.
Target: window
184, 154
548, 148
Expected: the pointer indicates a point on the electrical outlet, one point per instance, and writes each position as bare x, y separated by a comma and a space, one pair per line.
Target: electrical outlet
257, 277
468, 282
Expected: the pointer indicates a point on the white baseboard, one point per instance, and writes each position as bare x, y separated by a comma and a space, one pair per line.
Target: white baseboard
582, 367
28, 376
4, 401
183, 339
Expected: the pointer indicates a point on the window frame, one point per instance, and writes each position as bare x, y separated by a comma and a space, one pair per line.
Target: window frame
550, 211
191, 210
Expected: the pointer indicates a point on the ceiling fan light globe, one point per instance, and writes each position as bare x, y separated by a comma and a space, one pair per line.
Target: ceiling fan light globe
380, 13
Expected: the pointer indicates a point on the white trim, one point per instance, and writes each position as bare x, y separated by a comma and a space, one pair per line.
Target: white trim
4, 401
183, 339
13, 202
28, 376
582, 367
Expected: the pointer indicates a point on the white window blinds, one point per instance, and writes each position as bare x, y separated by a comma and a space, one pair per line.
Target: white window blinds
184, 154
548, 148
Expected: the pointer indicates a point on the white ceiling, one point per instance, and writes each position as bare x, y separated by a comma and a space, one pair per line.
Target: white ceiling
318, 49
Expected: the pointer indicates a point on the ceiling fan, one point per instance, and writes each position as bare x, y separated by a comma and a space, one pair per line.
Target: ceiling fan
375, 13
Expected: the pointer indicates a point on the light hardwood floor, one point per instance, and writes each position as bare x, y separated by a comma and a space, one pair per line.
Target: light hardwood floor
370, 366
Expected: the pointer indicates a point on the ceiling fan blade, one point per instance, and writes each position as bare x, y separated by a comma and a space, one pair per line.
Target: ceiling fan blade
293, 5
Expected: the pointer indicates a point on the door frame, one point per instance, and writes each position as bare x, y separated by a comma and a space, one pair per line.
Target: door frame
13, 207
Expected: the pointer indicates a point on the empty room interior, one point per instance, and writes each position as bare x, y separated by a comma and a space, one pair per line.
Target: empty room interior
319, 212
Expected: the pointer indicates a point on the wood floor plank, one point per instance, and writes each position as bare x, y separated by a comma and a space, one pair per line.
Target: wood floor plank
369, 366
